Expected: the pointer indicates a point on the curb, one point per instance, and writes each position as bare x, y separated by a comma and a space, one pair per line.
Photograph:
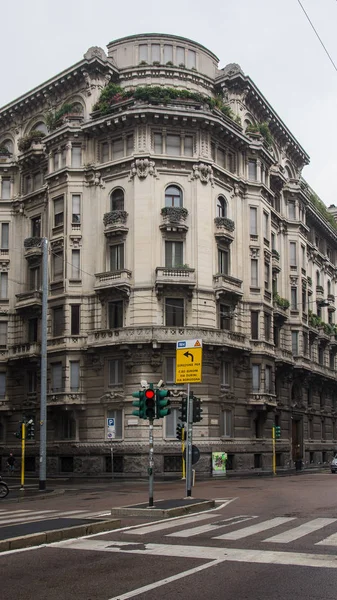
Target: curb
37, 496
57, 535
132, 511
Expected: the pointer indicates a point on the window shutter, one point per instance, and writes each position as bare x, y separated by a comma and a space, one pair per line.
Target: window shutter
2, 385
74, 375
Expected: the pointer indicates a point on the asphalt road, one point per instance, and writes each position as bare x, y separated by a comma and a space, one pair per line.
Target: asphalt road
267, 539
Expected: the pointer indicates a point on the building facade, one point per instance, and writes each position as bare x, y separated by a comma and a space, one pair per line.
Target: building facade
172, 198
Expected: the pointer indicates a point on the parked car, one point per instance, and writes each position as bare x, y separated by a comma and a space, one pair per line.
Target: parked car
333, 464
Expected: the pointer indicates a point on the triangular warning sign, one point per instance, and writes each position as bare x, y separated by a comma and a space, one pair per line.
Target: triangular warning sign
197, 344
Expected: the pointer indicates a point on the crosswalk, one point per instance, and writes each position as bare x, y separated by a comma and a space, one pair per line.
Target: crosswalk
16, 517
231, 529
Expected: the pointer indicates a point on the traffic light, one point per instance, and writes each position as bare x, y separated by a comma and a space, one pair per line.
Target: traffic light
197, 410
277, 431
18, 432
140, 403
162, 403
30, 430
180, 432
183, 410
150, 404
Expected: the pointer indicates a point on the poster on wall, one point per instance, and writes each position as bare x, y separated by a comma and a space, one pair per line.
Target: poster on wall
219, 461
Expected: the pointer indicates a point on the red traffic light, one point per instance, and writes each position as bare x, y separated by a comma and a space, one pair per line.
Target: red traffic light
149, 394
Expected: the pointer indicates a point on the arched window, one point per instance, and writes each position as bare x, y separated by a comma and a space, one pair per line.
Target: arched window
287, 173
221, 207
77, 108
40, 127
7, 144
173, 196
117, 199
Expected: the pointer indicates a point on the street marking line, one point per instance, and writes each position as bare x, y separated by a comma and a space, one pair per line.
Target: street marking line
252, 529
205, 553
143, 530
210, 527
42, 516
329, 541
157, 584
297, 532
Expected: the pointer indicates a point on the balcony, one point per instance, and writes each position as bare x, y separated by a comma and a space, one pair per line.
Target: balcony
179, 278
319, 292
63, 398
275, 261
227, 285
66, 342
281, 306
261, 401
284, 356
174, 219
115, 223
119, 281
29, 300
33, 248
32, 155
28, 350
224, 229
167, 335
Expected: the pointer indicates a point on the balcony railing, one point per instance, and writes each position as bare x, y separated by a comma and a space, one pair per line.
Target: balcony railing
182, 277
27, 350
119, 280
115, 223
174, 219
224, 229
33, 247
30, 299
226, 284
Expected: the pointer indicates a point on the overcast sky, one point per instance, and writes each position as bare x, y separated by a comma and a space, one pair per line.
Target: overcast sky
271, 40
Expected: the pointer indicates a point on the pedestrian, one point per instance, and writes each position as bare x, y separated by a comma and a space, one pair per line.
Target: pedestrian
11, 463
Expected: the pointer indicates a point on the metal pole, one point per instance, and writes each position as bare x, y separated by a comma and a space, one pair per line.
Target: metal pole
183, 430
274, 450
112, 461
43, 403
23, 445
151, 462
189, 441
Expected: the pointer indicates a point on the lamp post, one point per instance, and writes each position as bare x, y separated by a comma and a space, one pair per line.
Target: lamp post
43, 402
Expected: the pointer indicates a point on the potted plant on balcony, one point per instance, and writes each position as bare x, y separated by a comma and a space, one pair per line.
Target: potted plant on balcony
281, 302
174, 213
4, 152
34, 136
115, 216
56, 119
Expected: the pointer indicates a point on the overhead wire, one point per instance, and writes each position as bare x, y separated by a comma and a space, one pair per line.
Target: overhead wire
318, 36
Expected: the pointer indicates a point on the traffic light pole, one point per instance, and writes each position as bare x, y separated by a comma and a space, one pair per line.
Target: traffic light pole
151, 463
189, 441
274, 449
43, 402
23, 448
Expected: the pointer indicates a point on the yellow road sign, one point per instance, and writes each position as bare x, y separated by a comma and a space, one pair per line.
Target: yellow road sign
188, 361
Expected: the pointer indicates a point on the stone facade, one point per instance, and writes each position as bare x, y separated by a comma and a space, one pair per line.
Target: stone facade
172, 198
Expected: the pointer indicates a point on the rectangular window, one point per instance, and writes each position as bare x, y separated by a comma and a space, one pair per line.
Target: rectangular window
254, 324
173, 145
74, 375
293, 298
305, 344
225, 374
191, 59
117, 149
58, 321
58, 211
34, 278
118, 416
223, 261
266, 226
5, 188
268, 380
253, 220
273, 241
170, 364
3, 334
115, 314
174, 254
2, 386
227, 424
304, 300
171, 422
292, 250
74, 319
180, 55
294, 342
117, 257
252, 170
304, 264
188, 145
4, 236
3, 285
56, 377
143, 52
32, 381
68, 432
105, 152
36, 226
57, 161
63, 156
291, 210
57, 262
76, 156
267, 326
254, 279
168, 53
76, 209
256, 378
75, 264
174, 312
332, 360
158, 143
221, 158
266, 276
129, 144
321, 355
32, 330
224, 316
155, 52
116, 371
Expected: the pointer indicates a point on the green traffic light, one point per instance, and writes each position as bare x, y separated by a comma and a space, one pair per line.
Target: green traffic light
140, 404
162, 403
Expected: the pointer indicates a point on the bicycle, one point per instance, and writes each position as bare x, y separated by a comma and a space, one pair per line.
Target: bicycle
4, 489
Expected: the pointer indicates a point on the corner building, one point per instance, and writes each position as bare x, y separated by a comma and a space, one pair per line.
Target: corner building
172, 198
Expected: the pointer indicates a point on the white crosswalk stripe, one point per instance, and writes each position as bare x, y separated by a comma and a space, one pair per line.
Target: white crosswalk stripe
12, 517
239, 534
300, 531
211, 527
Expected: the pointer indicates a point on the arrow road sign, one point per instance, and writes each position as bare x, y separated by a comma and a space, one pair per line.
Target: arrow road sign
188, 361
